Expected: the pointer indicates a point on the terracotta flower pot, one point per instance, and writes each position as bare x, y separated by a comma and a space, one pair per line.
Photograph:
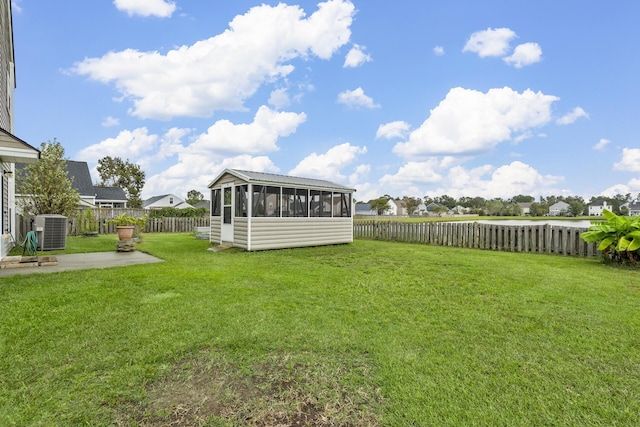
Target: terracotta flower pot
125, 232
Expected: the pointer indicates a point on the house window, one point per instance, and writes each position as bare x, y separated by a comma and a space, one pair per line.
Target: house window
215, 202
341, 204
294, 202
170, 200
266, 201
241, 200
320, 203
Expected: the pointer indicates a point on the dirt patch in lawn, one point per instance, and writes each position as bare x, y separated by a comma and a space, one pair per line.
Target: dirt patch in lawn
282, 390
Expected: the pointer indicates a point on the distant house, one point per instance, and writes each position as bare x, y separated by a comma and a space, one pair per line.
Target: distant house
435, 208
596, 208
633, 209
525, 208
91, 196
165, 201
397, 207
110, 197
559, 209
364, 209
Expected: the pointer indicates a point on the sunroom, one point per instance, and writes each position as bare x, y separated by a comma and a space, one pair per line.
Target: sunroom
258, 211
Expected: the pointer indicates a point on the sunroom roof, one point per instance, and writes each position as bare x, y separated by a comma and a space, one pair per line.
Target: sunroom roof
275, 179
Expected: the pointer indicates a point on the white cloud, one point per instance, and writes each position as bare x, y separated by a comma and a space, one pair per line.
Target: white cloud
110, 122
391, 130
468, 121
356, 57
356, 99
524, 54
633, 187
215, 74
279, 98
126, 145
15, 6
159, 8
259, 136
328, 165
601, 144
572, 116
438, 50
504, 182
490, 42
630, 161
196, 172
413, 173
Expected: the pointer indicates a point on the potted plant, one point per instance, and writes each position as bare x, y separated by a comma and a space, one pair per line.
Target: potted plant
126, 225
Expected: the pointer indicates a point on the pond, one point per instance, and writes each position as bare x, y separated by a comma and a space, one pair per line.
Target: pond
579, 223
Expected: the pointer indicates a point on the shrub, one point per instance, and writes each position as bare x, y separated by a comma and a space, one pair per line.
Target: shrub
619, 237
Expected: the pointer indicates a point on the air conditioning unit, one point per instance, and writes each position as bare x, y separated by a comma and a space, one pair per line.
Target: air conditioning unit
51, 231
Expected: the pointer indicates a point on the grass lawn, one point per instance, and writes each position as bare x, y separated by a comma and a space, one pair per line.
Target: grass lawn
371, 333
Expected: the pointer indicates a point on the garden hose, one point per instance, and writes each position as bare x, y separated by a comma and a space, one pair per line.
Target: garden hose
30, 244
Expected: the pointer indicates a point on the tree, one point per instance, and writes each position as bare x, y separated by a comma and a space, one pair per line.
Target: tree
46, 184
194, 197
130, 177
411, 203
380, 205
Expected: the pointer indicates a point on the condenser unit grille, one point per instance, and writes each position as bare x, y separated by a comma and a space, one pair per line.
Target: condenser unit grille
51, 231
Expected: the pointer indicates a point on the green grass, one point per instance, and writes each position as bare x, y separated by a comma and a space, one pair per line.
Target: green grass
371, 333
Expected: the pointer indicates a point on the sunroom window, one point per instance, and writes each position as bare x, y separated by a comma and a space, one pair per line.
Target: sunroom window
266, 201
241, 200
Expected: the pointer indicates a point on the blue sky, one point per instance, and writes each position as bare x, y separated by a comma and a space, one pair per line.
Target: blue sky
407, 98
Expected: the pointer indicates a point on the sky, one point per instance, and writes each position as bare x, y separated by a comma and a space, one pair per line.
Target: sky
408, 98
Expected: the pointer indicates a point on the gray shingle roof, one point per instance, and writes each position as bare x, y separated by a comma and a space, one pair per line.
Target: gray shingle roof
110, 194
80, 178
275, 179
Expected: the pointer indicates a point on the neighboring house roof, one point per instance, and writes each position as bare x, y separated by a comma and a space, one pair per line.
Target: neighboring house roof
275, 179
559, 206
152, 200
364, 209
110, 194
432, 206
598, 203
178, 203
80, 178
203, 204
633, 207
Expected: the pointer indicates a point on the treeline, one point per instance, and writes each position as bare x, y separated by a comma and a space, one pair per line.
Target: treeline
505, 207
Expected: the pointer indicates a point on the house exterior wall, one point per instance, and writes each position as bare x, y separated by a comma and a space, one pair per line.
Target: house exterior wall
7, 84
597, 209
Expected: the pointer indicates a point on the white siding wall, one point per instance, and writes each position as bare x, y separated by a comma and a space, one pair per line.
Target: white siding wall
278, 233
215, 236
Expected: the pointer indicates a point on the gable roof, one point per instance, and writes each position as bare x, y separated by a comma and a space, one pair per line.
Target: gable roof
110, 194
275, 179
179, 202
80, 178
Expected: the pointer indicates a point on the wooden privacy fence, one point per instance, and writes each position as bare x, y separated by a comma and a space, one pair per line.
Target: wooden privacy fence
154, 225
541, 238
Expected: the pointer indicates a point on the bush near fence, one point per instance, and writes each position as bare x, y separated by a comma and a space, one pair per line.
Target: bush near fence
541, 238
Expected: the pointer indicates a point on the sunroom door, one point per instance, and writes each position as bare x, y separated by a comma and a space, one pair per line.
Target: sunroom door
226, 230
